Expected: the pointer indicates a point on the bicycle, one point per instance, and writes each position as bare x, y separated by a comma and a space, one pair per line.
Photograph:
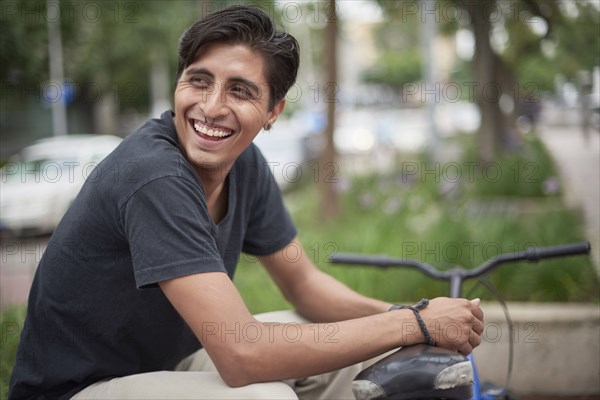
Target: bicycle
424, 371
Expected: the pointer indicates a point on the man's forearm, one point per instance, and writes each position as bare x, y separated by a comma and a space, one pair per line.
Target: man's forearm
278, 351
322, 298
246, 351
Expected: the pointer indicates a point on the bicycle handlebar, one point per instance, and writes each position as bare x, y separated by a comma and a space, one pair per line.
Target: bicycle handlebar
532, 254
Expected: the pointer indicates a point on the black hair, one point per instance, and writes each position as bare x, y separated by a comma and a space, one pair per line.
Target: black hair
252, 27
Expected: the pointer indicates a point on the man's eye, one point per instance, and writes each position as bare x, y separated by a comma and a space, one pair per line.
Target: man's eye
201, 82
241, 92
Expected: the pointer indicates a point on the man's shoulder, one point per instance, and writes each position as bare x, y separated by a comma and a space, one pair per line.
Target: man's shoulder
153, 138
150, 153
153, 150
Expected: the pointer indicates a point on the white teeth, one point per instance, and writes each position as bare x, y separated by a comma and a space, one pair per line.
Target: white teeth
210, 132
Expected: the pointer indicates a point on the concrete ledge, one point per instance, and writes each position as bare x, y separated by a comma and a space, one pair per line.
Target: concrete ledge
556, 348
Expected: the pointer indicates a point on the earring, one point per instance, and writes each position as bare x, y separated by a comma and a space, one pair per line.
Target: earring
268, 127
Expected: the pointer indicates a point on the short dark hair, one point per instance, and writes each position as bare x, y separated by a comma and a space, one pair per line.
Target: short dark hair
252, 27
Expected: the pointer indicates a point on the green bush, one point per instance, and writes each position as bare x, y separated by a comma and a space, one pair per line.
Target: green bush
528, 171
445, 224
11, 321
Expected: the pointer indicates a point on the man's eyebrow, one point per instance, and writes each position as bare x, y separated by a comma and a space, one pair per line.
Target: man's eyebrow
199, 71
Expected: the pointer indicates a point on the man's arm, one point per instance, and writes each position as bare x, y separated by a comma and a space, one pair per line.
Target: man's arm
245, 350
316, 295
321, 298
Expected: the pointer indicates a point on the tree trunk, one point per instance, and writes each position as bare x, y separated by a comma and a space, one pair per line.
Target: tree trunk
106, 107
159, 85
327, 182
483, 72
507, 136
487, 88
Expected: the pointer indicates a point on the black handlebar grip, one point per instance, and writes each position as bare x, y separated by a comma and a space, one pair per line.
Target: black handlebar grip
534, 254
359, 259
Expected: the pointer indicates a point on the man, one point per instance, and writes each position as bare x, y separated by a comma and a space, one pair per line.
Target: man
137, 277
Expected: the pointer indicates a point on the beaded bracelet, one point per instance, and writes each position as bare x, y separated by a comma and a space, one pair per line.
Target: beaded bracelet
415, 309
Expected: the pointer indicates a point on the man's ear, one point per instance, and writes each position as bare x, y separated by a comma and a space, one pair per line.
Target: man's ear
277, 109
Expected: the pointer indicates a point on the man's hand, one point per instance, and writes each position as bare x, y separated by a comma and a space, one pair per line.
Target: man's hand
454, 324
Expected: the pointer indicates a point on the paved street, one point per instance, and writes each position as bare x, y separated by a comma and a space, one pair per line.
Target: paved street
579, 164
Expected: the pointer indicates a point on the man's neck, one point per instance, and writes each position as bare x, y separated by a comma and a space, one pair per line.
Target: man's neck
215, 190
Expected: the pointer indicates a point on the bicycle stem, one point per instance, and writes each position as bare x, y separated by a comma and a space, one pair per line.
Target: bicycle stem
456, 280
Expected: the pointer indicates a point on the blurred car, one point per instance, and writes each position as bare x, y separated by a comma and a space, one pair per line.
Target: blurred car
38, 184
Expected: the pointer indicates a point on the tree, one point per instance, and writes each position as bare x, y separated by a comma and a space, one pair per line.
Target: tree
506, 77
495, 78
487, 70
329, 196
108, 49
570, 44
119, 52
400, 61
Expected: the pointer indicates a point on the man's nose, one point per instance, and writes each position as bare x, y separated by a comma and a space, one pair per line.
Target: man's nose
215, 103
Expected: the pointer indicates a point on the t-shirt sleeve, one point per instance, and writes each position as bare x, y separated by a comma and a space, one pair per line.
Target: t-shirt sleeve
169, 231
270, 226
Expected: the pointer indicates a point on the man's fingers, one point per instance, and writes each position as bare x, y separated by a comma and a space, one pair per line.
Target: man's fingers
445, 315
475, 338
476, 309
478, 327
466, 349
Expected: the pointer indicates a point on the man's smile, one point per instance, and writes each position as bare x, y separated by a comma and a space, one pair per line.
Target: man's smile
210, 132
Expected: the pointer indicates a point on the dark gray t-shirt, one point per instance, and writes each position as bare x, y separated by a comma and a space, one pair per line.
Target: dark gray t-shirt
95, 310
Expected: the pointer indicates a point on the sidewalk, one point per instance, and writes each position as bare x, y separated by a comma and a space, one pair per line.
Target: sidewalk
555, 348
579, 166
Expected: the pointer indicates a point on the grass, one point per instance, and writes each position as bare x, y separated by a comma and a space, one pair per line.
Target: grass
433, 217
11, 321
529, 171
459, 234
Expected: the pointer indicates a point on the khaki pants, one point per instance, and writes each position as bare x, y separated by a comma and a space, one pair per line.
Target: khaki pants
195, 377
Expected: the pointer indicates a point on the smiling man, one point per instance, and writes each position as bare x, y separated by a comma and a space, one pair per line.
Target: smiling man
220, 106
134, 296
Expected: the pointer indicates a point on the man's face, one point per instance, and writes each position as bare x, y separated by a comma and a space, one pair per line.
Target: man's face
221, 103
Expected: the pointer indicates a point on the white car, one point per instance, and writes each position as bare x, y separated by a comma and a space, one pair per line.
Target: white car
38, 184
